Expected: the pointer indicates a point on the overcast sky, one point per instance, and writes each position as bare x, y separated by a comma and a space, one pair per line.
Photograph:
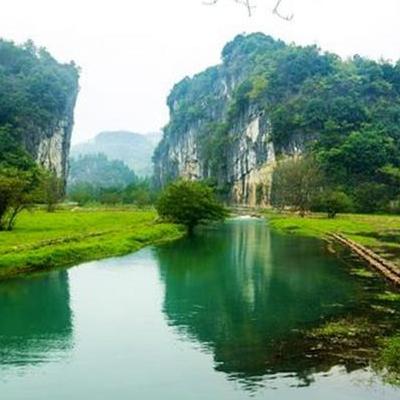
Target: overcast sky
132, 51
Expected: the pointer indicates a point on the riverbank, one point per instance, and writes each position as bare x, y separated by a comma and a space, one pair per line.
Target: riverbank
44, 240
380, 233
346, 337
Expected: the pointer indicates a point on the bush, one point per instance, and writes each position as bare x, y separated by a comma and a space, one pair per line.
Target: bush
371, 197
333, 202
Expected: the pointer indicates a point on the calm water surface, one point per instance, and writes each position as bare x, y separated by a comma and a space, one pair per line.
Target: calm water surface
218, 316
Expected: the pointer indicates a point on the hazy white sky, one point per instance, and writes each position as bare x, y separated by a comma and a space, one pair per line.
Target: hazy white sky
132, 51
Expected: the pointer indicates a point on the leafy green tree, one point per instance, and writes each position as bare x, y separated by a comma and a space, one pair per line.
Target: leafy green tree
334, 201
17, 192
82, 193
190, 203
371, 197
51, 189
110, 196
296, 182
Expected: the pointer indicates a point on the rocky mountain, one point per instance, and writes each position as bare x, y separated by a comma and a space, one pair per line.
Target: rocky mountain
97, 170
37, 100
134, 149
267, 100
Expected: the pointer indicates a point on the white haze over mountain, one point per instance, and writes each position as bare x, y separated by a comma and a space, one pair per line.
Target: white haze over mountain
134, 149
132, 52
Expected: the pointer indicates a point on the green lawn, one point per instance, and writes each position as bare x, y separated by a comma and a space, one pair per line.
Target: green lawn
379, 232
47, 240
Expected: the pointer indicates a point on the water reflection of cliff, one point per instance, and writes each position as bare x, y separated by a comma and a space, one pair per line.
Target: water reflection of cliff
244, 293
35, 322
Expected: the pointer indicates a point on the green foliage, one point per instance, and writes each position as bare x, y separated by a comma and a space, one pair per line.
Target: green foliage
378, 232
51, 189
140, 193
389, 360
361, 155
213, 142
98, 170
94, 178
133, 149
370, 197
44, 240
333, 202
190, 203
346, 113
17, 192
35, 88
296, 182
35, 93
12, 153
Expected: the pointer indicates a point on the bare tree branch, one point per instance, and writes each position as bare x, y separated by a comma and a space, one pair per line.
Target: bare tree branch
250, 6
276, 12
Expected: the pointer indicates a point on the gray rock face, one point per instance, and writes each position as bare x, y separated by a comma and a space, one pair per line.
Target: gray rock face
249, 162
50, 147
250, 157
220, 128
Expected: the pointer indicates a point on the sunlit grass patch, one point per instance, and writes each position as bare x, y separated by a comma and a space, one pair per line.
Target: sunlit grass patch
47, 240
388, 296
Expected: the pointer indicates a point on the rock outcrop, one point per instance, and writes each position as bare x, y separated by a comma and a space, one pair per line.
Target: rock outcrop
241, 151
50, 147
37, 101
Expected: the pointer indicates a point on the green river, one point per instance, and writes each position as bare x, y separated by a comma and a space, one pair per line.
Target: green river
222, 315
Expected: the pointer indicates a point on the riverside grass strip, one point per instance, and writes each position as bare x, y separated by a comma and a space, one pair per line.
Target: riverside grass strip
44, 241
380, 233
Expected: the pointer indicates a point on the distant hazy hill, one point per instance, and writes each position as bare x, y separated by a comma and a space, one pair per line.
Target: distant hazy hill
99, 171
133, 149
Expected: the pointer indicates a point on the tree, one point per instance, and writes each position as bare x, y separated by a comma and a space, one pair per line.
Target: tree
249, 4
17, 192
82, 193
334, 201
295, 183
190, 203
371, 197
51, 190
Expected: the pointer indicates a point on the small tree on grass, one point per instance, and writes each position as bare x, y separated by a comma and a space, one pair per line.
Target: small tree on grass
52, 190
17, 192
190, 203
334, 201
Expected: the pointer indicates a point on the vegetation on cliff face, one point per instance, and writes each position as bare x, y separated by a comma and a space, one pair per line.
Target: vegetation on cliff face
346, 112
36, 94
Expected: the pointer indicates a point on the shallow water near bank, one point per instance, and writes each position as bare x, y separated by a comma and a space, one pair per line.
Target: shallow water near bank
221, 315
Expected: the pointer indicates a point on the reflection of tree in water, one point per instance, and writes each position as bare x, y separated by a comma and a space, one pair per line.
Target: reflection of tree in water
35, 323
243, 292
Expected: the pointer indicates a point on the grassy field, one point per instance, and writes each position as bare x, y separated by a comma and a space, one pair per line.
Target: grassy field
378, 232
48, 240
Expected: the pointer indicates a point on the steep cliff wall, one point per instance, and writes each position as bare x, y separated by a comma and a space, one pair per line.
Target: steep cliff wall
37, 100
50, 147
220, 128
268, 100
